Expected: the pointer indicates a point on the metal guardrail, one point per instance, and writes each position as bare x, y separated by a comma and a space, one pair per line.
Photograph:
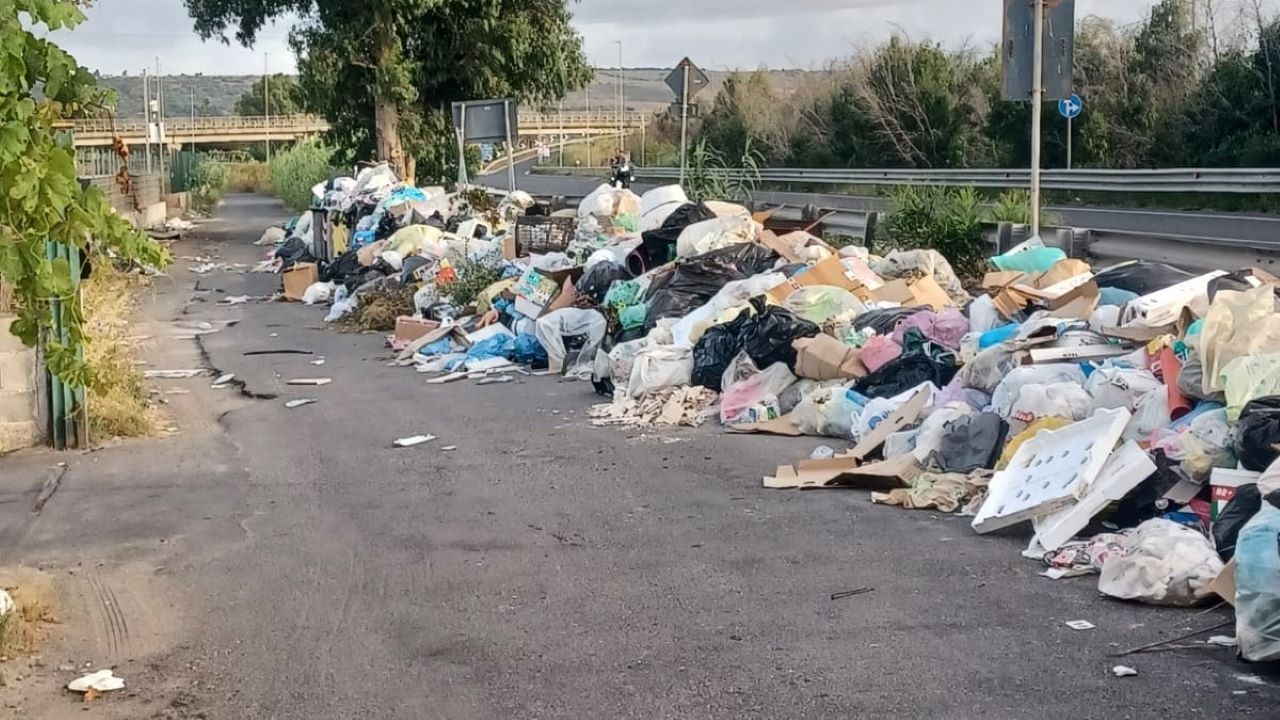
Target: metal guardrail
1199, 180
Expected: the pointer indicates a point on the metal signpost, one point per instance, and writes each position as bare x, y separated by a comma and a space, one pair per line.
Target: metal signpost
686, 81
479, 121
1070, 109
1038, 50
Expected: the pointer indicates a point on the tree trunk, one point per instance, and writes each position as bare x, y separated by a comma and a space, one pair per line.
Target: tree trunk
386, 112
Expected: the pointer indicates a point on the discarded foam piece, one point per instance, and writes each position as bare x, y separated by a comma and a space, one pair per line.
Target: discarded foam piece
222, 380
1124, 470
310, 381
100, 681
299, 403
1123, 671
173, 374
412, 440
1164, 306
6, 603
1051, 471
1081, 625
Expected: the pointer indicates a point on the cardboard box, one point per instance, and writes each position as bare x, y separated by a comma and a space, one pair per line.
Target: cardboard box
410, 328
914, 293
826, 358
828, 272
1225, 584
904, 416
844, 471
298, 278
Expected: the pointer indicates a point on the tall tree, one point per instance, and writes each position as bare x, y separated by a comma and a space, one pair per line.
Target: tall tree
283, 90
383, 72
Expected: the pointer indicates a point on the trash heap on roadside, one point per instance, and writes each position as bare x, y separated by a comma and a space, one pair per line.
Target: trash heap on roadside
1128, 415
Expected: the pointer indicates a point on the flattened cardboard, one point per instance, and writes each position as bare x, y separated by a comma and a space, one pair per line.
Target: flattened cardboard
997, 279
770, 239
828, 272
1077, 303
780, 426
914, 293
826, 358
410, 328
1225, 584
901, 418
297, 279
844, 471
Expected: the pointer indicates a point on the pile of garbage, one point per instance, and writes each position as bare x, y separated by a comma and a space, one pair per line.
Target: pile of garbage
1128, 415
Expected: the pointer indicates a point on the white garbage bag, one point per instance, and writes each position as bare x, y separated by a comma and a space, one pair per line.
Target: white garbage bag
1120, 387
657, 205
1163, 563
1006, 393
1066, 400
660, 366
552, 328
721, 232
622, 358
318, 292
741, 400
689, 328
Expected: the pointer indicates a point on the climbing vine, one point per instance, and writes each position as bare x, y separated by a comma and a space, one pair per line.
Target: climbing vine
41, 199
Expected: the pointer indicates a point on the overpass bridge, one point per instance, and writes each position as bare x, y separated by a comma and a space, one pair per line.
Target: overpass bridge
229, 130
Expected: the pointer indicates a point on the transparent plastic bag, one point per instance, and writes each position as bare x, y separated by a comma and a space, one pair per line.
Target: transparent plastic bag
763, 387
1007, 392
1164, 563
1152, 414
658, 367
828, 413
820, 304
741, 367
1258, 586
1249, 378
552, 329
1239, 324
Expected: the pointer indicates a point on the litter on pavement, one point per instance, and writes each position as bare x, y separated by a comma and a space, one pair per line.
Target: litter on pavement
1124, 417
414, 440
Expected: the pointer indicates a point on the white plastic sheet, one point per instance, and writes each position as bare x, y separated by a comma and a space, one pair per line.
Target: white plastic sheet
1258, 586
1164, 563
1006, 393
720, 232
658, 367
551, 329
820, 304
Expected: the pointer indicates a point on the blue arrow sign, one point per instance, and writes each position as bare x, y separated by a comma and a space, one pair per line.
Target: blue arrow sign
1071, 107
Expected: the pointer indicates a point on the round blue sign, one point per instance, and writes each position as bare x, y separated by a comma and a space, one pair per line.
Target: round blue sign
1071, 107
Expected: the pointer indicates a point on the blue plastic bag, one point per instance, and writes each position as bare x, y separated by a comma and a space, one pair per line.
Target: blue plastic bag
529, 350
498, 346
1035, 260
1258, 586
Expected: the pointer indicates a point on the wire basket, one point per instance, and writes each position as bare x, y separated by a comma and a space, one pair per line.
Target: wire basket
537, 235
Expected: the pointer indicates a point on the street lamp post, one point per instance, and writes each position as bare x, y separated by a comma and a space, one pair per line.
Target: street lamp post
622, 139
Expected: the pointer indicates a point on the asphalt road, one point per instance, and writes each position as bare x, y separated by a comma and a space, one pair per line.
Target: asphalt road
545, 568
1255, 228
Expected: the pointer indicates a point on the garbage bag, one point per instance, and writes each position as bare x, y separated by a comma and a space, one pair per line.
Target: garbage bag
827, 413
720, 232
821, 304
945, 328
1140, 277
1249, 378
292, 252
929, 435
318, 292
698, 279
875, 410
528, 350
879, 351
690, 327
990, 367
1006, 393
767, 335
1258, 585
909, 263
1036, 402
552, 328
794, 395
740, 369
1234, 516
1113, 388
1191, 381
1257, 432
904, 373
749, 400
1239, 324
622, 359
657, 367
599, 278
983, 315
498, 346
715, 350
884, 321
1150, 415
970, 442
1163, 563
658, 247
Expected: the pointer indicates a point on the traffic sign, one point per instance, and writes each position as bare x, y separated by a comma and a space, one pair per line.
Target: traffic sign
1018, 60
1071, 107
697, 80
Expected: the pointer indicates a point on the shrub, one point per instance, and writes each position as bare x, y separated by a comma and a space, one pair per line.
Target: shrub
208, 183
249, 177
296, 170
945, 219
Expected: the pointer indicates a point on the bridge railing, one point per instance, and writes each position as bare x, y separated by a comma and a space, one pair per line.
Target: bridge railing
213, 123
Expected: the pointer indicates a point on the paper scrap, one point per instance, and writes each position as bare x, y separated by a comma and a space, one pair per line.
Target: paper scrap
414, 440
299, 403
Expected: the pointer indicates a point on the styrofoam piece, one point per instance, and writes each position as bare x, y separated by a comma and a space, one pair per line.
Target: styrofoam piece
1164, 306
1049, 471
1125, 469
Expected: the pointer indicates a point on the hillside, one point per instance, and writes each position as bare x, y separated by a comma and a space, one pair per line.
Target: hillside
217, 94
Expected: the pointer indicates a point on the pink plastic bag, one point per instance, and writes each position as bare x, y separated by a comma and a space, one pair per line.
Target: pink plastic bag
945, 328
879, 351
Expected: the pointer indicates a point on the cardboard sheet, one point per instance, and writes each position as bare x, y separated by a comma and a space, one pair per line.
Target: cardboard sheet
826, 358
901, 418
828, 272
920, 292
297, 279
844, 471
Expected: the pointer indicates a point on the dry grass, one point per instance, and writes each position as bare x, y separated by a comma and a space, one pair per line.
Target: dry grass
36, 600
250, 177
117, 396
379, 309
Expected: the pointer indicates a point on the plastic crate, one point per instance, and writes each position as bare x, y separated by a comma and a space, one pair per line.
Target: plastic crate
536, 235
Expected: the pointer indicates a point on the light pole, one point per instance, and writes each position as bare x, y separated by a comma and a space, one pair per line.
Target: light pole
266, 99
622, 140
588, 128
1037, 109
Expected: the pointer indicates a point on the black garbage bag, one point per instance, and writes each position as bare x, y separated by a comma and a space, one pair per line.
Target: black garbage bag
660, 245
598, 278
1238, 281
293, 251
1239, 511
767, 335
342, 267
411, 265
971, 442
921, 361
885, 321
1141, 276
1257, 431
1147, 501
697, 279
717, 347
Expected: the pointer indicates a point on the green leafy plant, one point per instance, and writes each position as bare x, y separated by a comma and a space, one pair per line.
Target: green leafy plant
708, 176
473, 277
42, 200
296, 170
208, 183
944, 219
1014, 206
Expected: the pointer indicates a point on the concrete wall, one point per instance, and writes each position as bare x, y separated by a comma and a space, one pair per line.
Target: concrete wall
19, 396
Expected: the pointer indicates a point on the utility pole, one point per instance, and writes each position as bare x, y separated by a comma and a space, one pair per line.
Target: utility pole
146, 113
587, 129
622, 139
1037, 110
266, 98
684, 120
193, 118
560, 115
162, 148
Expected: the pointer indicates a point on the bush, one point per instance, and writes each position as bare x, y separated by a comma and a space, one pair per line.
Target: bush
208, 183
249, 177
296, 170
945, 219
1014, 206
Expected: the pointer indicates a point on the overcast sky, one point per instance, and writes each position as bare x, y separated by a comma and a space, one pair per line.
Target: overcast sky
130, 34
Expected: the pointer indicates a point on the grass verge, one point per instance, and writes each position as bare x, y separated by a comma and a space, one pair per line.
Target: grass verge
117, 395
